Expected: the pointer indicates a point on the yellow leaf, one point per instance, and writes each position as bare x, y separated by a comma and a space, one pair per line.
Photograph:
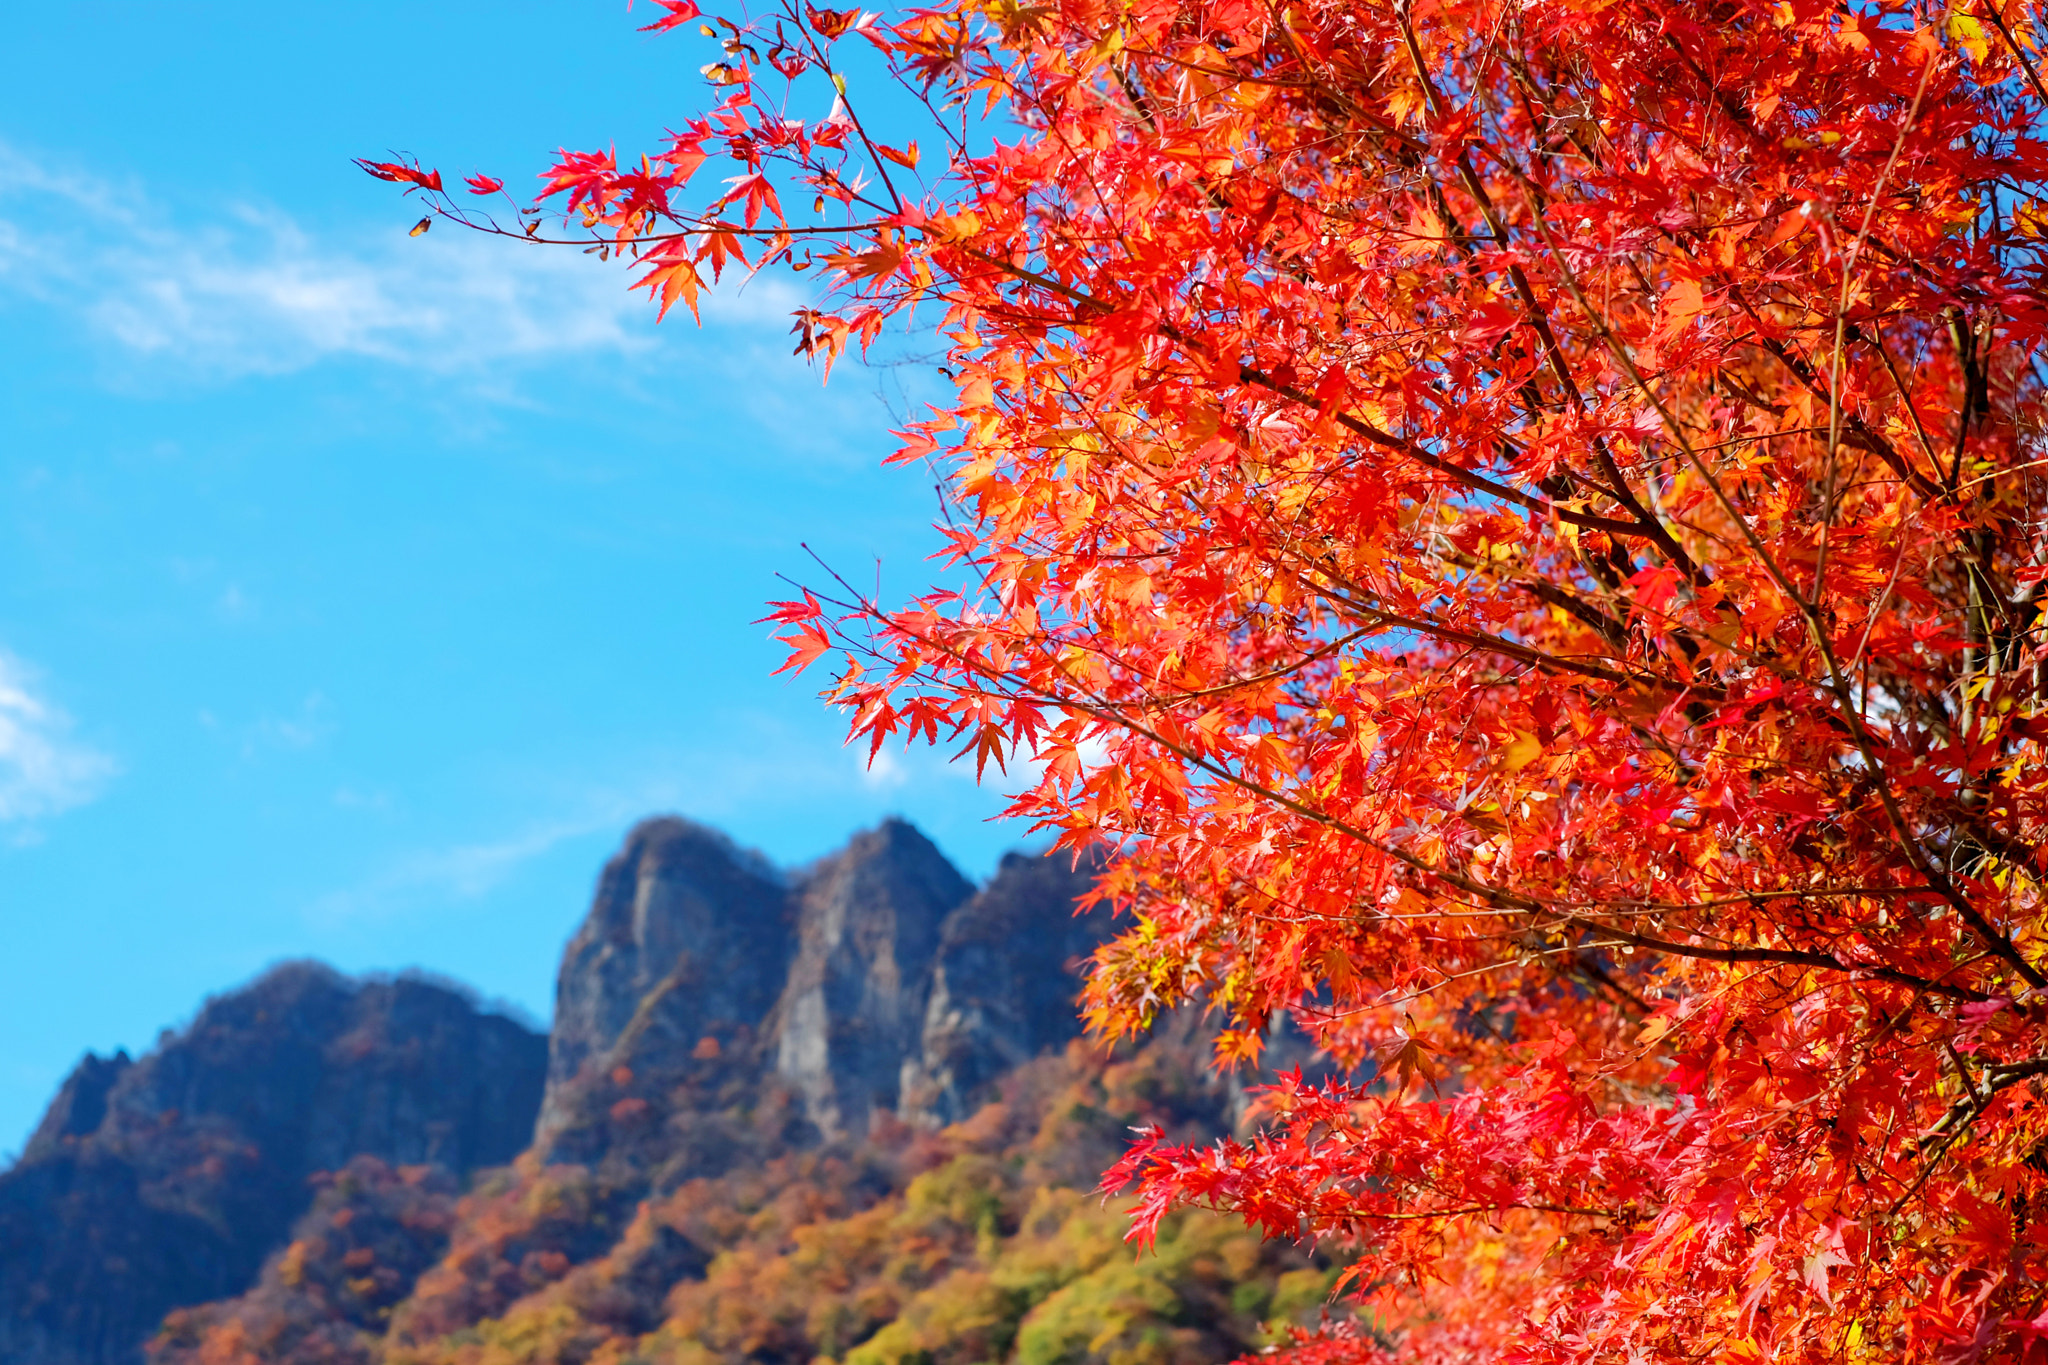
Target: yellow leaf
1743, 1351
1969, 35
1522, 750
907, 158
1656, 1027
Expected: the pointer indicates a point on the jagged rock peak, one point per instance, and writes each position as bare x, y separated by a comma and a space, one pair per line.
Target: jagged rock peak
1005, 978
689, 936
869, 918
164, 1181
80, 1106
876, 978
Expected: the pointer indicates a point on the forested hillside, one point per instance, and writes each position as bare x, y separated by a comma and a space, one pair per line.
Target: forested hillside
978, 1243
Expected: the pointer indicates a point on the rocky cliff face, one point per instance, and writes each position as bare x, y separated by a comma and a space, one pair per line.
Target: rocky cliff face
1003, 982
869, 923
685, 950
875, 980
165, 1181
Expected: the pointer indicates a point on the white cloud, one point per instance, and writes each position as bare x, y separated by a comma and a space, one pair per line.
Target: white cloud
43, 770
470, 870
257, 293
467, 870
715, 788
312, 724
463, 871
886, 771
236, 605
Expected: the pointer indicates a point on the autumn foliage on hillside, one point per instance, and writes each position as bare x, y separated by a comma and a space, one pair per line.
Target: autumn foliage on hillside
325, 1298
1523, 524
978, 1243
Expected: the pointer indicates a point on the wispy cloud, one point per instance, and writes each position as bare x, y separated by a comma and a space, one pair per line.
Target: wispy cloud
894, 766
308, 726
728, 788
43, 770
470, 870
466, 871
305, 728
255, 292
765, 780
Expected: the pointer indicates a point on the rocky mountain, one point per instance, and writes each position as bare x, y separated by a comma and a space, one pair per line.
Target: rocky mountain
711, 1007
166, 1181
745, 1062
1002, 985
868, 924
688, 938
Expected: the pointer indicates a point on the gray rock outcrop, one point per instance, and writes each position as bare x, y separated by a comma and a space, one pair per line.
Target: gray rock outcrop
852, 1013
876, 979
1004, 980
689, 938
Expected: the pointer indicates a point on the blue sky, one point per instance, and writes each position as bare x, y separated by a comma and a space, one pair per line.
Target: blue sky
356, 591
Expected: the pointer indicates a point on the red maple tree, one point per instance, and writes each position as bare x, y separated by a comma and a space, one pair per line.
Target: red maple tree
1523, 524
